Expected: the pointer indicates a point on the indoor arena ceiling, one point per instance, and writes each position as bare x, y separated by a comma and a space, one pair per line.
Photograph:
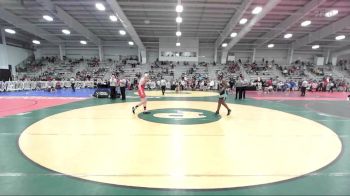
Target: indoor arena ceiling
212, 21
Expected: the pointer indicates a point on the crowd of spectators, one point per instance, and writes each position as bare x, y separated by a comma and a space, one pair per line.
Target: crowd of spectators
293, 70
255, 68
185, 83
233, 67
344, 65
326, 84
191, 79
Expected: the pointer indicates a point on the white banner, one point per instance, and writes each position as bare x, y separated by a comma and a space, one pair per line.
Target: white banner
10, 86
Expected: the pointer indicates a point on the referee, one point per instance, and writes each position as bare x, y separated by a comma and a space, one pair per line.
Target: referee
72, 83
112, 85
122, 87
163, 85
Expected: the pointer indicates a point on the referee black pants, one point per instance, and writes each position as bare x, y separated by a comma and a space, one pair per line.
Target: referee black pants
113, 93
73, 87
239, 92
122, 92
163, 90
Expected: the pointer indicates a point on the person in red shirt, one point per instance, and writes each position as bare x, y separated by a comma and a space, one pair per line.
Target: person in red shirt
142, 94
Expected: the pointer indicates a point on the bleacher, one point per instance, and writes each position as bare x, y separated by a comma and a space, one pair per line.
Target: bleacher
92, 70
264, 72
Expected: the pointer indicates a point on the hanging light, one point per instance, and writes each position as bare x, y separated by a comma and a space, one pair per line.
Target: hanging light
340, 37
122, 32
100, 6
315, 47
305, 23
288, 35
243, 21
257, 10
10, 31
179, 8
178, 19
331, 13
113, 18
48, 18
234, 34
36, 42
66, 31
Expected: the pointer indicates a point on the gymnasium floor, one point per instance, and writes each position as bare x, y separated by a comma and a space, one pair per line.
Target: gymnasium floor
70, 143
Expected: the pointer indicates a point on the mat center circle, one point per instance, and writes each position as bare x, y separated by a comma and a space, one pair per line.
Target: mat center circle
181, 116
118, 147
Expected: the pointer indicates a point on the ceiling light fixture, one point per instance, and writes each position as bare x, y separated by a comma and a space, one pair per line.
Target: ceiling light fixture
113, 18
315, 47
257, 10
10, 31
243, 21
65, 31
179, 8
271, 45
340, 37
100, 6
131, 43
224, 45
178, 33
288, 35
178, 19
178, 44
48, 18
122, 32
83, 42
305, 23
234, 34
36, 42
331, 13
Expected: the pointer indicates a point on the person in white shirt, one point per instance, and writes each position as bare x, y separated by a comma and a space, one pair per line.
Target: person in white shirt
163, 85
168, 85
183, 85
212, 83
122, 84
153, 85
112, 85
50, 86
117, 86
54, 84
304, 85
158, 84
72, 83
177, 89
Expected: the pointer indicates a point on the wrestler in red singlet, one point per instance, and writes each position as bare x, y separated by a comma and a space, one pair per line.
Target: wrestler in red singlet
141, 89
142, 94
